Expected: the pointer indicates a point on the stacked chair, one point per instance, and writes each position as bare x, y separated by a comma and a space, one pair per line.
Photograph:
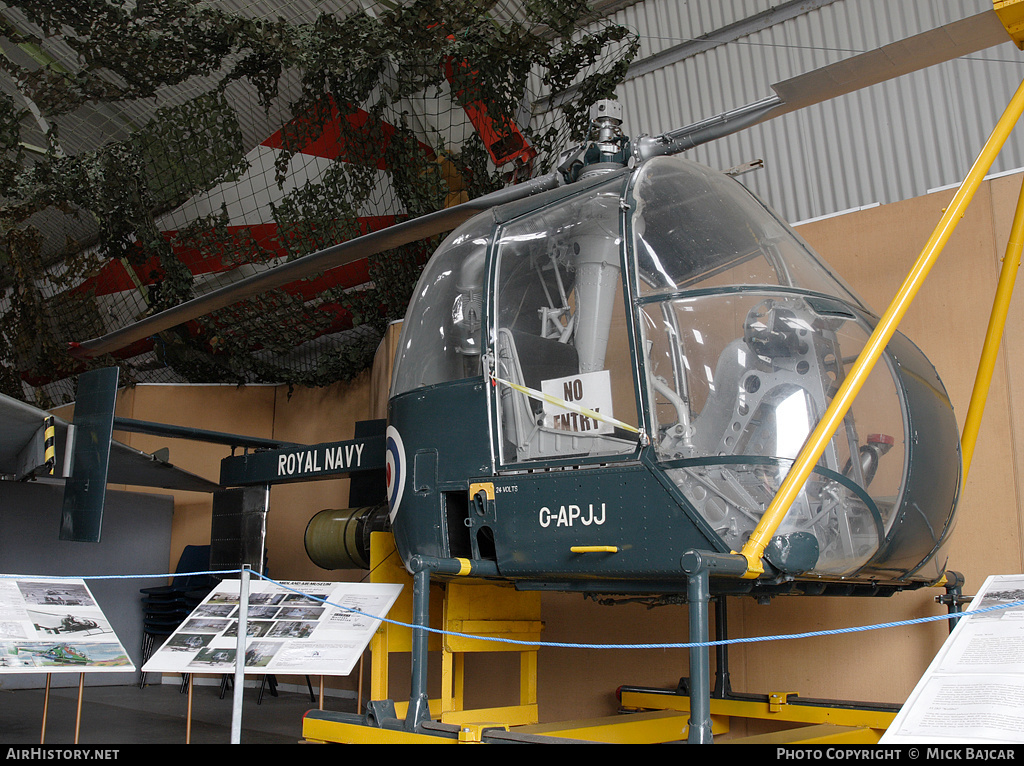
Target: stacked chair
165, 607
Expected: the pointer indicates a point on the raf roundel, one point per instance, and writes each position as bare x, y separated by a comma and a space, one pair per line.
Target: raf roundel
395, 470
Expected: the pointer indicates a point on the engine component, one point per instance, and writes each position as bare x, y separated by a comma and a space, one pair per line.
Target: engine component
340, 538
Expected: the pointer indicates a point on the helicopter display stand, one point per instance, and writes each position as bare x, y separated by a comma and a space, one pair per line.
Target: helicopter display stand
476, 608
491, 611
472, 608
809, 721
645, 716
804, 721
483, 610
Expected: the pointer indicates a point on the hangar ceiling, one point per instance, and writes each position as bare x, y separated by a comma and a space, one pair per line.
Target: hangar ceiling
156, 151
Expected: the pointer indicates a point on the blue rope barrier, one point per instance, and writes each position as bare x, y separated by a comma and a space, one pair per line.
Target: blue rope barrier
548, 644
118, 577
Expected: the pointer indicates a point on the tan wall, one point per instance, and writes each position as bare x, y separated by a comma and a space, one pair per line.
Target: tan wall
873, 250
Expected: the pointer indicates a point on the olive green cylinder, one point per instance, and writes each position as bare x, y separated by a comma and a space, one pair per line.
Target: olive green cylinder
340, 538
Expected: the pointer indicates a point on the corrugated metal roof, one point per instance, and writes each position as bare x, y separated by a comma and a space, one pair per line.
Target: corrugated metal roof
889, 142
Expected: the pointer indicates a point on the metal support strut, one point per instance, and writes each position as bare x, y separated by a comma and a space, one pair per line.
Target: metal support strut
954, 598
419, 703
698, 566
697, 594
723, 685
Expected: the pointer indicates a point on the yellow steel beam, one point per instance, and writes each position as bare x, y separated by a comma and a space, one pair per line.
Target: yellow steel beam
774, 708
528, 680
473, 608
1011, 13
791, 486
513, 715
632, 728
514, 630
474, 732
821, 734
453, 682
994, 334
318, 730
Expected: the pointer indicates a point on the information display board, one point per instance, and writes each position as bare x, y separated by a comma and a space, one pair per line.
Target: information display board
973, 691
54, 626
292, 628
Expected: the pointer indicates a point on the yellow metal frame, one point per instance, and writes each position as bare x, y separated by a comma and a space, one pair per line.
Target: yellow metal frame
316, 730
469, 607
821, 722
994, 334
491, 612
471, 611
640, 728
1011, 14
651, 717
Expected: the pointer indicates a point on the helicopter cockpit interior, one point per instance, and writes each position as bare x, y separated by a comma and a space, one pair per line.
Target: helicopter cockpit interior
747, 337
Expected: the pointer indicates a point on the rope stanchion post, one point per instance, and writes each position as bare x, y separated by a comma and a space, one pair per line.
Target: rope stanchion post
243, 616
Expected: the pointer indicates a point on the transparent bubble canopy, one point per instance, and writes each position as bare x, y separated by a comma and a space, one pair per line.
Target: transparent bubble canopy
747, 335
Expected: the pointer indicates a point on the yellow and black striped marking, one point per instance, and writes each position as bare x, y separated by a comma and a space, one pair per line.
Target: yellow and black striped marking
49, 445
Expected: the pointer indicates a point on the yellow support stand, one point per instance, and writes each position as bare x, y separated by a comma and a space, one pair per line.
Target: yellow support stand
490, 612
994, 334
477, 617
472, 608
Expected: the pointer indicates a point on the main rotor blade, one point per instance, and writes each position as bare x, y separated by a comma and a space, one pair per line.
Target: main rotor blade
403, 233
936, 46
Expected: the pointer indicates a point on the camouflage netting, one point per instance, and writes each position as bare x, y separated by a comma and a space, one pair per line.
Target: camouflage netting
153, 150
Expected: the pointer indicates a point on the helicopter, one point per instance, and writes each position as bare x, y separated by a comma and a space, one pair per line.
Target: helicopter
606, 373
617, 438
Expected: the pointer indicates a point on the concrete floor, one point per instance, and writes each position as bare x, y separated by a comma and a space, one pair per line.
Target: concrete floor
156, 714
